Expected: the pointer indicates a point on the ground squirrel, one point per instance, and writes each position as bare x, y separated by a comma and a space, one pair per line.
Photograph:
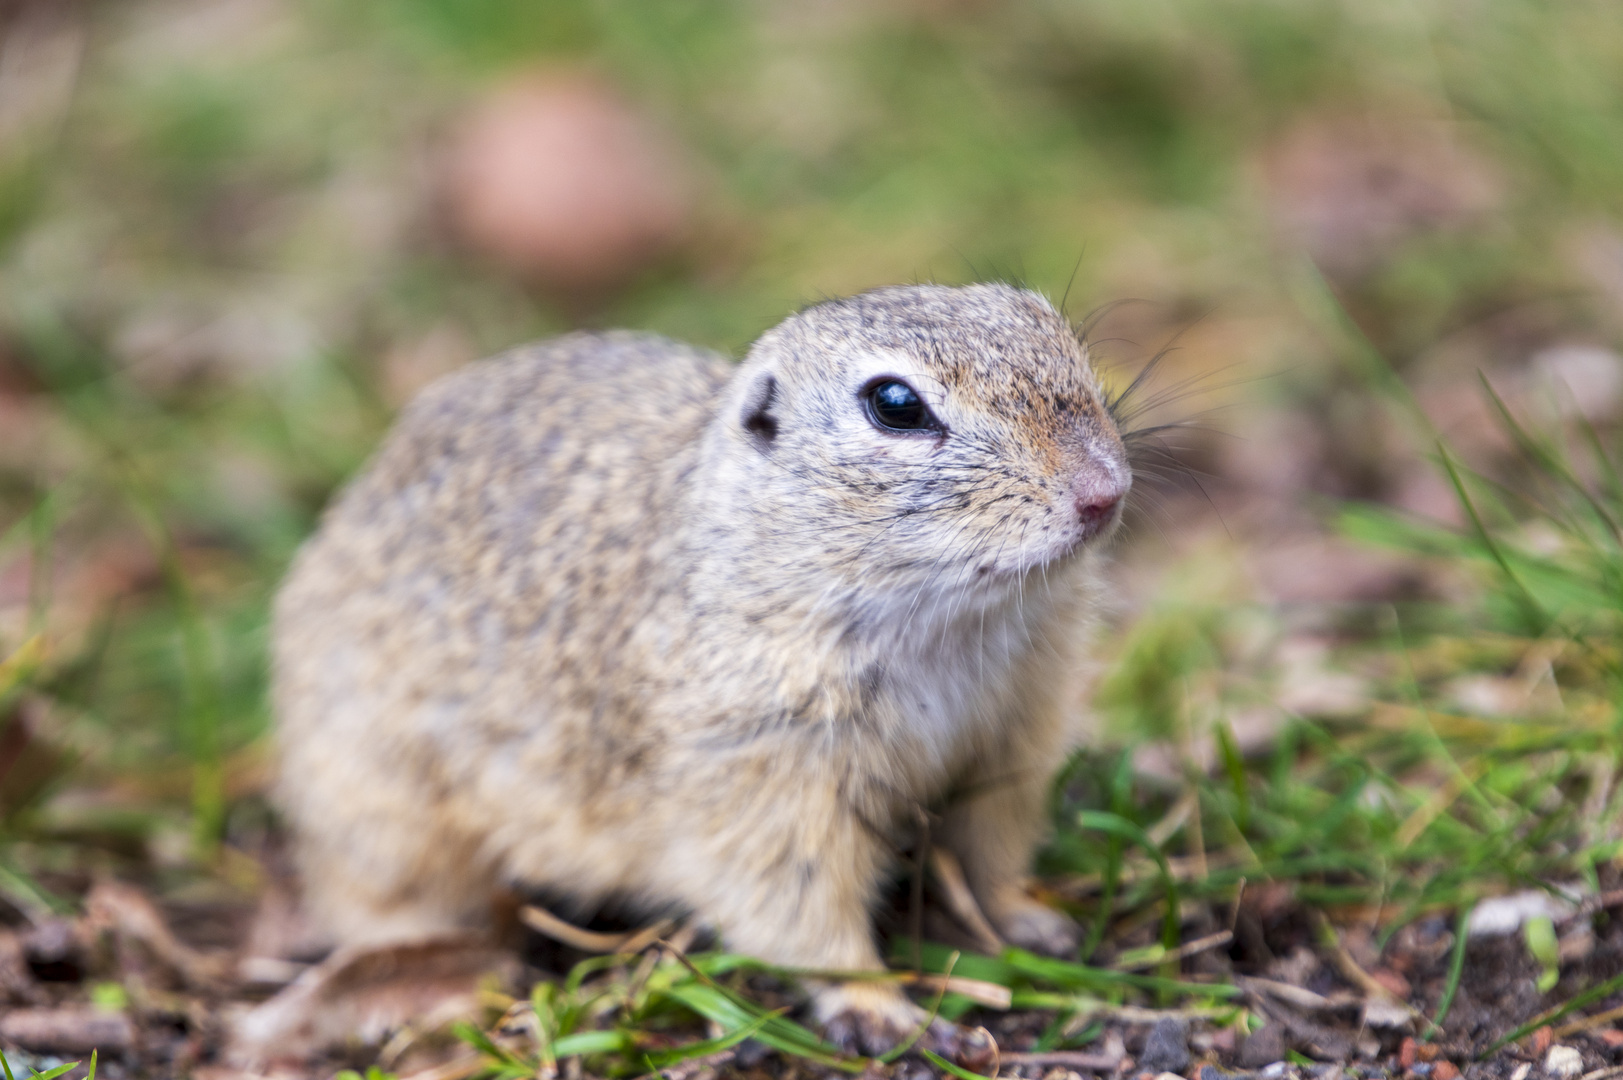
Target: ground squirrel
613, 615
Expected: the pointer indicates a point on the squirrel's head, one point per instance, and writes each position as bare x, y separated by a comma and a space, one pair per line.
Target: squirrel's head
926, 436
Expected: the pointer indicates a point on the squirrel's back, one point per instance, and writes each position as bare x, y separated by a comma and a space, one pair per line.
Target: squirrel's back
515, 511
508, 494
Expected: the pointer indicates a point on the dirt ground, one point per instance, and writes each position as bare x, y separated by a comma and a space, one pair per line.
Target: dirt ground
159, 983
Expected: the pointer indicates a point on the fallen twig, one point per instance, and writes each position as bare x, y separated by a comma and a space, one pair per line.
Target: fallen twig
545, 922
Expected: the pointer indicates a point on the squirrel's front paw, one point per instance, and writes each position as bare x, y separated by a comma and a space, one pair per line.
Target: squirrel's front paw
873, 1017
1030, 925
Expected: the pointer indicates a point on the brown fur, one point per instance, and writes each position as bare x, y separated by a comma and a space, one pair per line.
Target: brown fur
608, 615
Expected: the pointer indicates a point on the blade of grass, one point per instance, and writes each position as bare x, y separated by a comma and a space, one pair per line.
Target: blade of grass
31, 898
660, 1059
1456, 968
42, 529
23, 662
1121, 783
1234, 767
714, 1003
584, 1043
895, 1052
1594, 993
1065, 974
1313, 293
950, 1068
1537, 618
1128, 830
483, 1043
201, 666
61, 1070
1548, 461
710, 999
546, 1024
1613, 482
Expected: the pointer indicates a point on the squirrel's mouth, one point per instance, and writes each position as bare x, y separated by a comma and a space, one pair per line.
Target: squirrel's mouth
1056, 557
1092, 527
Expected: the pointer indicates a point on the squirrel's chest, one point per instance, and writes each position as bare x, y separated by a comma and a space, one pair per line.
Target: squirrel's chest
960, 687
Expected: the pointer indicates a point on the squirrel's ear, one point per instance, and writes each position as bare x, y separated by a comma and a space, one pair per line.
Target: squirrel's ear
757, 415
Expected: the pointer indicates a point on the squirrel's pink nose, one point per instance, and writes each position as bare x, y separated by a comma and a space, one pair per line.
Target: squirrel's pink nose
1098, 496
1095, 510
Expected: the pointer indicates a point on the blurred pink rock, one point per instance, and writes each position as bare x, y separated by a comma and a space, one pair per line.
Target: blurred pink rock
1309, 569
559, 180
1572, 379
412, 364
1351, 190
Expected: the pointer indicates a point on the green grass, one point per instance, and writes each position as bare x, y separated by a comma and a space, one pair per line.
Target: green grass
52, 1073
627, 1022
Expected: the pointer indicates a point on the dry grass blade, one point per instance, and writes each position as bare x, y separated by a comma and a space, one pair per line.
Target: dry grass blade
693, 1067
363, 993
1300, 997
1187, 949
1587, 1023
1070, 1059
545, 922
455, 1069
1603, 1074
1173, 820
981, 992
1136, 871
1355, 974
126, 912
950, 875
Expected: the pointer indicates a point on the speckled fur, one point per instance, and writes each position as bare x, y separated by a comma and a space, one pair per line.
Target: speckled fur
610, 615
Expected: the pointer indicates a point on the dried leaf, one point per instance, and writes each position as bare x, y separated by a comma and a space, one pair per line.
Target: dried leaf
129, 915
67, 1031
361, 994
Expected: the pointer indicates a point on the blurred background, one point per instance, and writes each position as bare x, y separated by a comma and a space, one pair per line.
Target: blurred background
235, 235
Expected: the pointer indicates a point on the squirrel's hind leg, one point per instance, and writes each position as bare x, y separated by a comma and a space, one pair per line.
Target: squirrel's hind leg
794, 883
994, 830
376, 878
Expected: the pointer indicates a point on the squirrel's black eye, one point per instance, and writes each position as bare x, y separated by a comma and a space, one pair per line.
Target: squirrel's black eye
894, 405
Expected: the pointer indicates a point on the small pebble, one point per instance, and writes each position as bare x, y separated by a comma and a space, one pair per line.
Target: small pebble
1421, 1069
1563, 1061
1264, 1046
1521, 1071
907, 1069
1166, 1048
1274, 1071
1445, 1070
